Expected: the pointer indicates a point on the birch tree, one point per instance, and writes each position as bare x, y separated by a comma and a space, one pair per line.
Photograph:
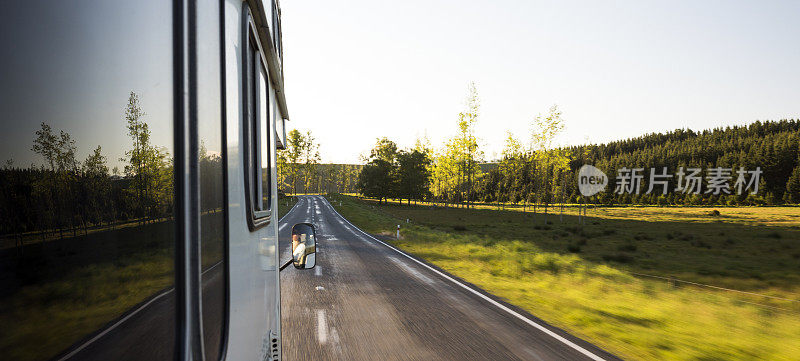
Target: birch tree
550, 162
310, 157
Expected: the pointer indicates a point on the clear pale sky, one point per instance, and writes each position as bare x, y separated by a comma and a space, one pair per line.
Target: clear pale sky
358, 70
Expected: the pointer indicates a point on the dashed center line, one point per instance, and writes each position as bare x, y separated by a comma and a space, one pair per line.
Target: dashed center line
322, 327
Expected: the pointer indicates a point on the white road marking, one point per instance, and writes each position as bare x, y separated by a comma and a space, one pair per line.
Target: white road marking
116, 324
101, 334
545, 330
411, 271
335, 337
320, 288
317, 271
322, 327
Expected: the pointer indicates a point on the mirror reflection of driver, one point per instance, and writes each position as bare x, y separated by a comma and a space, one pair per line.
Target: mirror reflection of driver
299, 249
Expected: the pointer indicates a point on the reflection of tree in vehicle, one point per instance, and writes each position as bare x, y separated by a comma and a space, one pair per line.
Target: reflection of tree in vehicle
80, 245
149, 169
211, 205
65, 194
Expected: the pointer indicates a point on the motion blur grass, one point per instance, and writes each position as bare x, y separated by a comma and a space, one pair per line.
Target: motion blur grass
82, 283
75, 286
582, 278
44, 319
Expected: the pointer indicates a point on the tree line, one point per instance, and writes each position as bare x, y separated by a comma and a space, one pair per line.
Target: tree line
300, 170
67, 195
535, 173
771, 146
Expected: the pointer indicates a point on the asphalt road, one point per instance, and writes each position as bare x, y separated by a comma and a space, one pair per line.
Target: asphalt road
367, 301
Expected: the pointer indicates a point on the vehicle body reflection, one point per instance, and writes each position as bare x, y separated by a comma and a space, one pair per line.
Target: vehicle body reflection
116, 196
87, 186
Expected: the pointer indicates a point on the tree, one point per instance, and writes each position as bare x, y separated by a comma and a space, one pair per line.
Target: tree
792, 194
455, 171
46, 144
466, 146
56, 189
412, 174
385, 150
96, 188
510, 177
149, 167
375, 179
550, 162
290, 158
310, 157
445, 174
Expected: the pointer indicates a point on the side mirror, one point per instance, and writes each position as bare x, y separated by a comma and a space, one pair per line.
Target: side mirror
304, 246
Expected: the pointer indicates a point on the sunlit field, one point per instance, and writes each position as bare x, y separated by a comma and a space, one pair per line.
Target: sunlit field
642, 282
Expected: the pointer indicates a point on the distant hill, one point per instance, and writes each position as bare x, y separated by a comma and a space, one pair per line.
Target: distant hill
771, 146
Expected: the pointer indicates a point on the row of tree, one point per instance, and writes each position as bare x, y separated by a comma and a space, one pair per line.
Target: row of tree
393, 173
300, 170
533, 172
67, 194
456, 174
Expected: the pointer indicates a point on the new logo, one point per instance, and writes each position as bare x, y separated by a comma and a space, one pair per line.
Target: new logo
591, 180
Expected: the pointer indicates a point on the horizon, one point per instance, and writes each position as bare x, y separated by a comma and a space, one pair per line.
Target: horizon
696, 131
362, 71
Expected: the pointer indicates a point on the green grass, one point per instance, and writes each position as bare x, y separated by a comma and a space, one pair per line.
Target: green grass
69, 288
44, 319
582, 278
285, 204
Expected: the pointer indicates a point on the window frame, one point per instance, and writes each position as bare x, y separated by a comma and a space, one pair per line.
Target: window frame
225, 317
276, 30
253, 62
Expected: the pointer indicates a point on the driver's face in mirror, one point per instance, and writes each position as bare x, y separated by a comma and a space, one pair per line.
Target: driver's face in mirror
303, 246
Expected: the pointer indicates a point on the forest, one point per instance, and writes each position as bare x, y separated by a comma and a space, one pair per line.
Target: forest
534, 172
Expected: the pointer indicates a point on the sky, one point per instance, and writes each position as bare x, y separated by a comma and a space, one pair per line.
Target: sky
359, 70
77, 72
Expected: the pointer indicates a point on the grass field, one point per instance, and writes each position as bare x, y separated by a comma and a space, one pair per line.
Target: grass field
591, 279
285, 204
67, 289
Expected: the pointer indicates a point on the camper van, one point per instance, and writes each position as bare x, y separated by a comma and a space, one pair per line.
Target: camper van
138, 211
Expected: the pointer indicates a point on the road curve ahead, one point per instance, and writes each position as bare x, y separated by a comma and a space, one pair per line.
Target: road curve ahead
367, 301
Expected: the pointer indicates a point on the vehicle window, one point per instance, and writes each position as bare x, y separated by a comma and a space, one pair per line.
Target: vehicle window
212, 188
276, 30
264, 138
86, 183
258, 131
